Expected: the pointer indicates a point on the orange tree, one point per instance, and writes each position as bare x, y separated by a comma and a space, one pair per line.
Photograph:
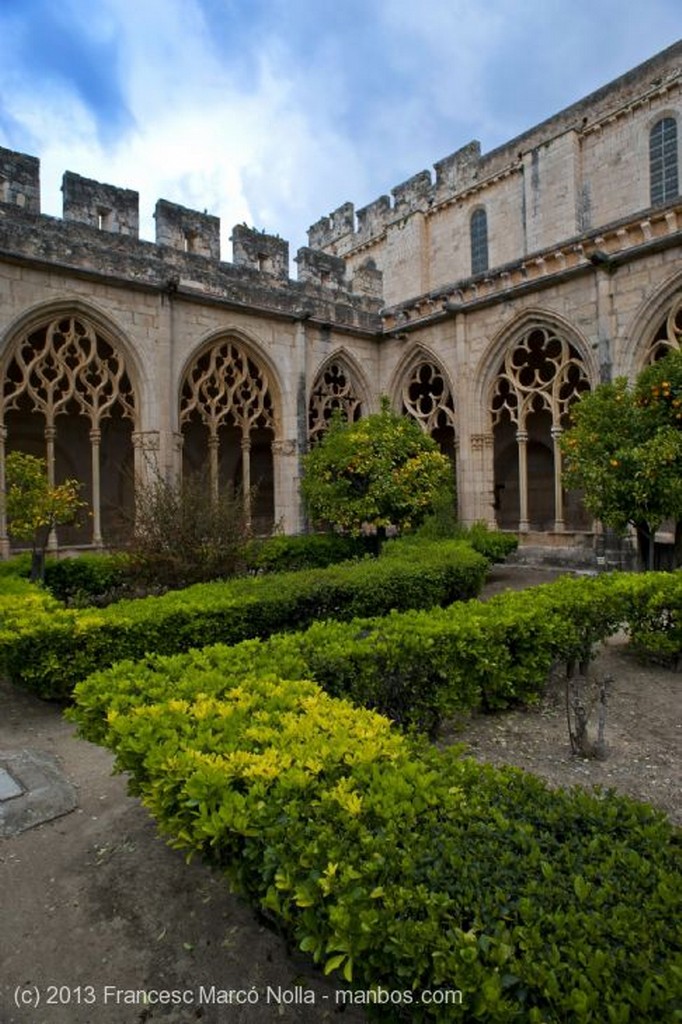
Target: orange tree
624, 451
381, 471
34, 506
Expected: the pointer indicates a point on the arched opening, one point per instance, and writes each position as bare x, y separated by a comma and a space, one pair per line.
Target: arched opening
67, 398
426, 396
334, 391
227, 422
540, 377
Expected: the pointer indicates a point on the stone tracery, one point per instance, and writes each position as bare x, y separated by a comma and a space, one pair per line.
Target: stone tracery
539, 379
226, 388
62, 368
334, 391
669, 335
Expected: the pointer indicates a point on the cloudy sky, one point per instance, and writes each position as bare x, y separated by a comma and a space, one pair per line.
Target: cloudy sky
274, 112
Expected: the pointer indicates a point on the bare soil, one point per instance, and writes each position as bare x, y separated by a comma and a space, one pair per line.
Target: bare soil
95, 902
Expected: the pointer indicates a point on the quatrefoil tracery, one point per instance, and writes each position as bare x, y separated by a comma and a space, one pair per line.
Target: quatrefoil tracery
427, 397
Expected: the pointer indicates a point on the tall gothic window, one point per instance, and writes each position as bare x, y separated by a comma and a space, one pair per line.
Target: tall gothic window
67, 397
479, 241
426, 396
540, 378
227, 420
663, 166
333, 391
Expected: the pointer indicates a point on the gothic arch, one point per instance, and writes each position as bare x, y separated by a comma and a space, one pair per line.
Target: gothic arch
229, 419
422, 389
655, 328
535, 371
70, 395
339, 385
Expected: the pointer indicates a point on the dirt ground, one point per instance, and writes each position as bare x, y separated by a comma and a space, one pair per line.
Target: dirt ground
94, 906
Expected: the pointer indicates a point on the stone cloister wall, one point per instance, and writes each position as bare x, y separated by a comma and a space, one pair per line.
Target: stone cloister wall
121, 358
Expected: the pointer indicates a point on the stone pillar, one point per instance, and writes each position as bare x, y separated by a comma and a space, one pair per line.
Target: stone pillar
95, 442
481, 480
285, 468
559, 524
4, 538
522, 441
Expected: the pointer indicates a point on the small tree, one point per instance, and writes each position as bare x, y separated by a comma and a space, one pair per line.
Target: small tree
184, 534
379, 471
34, 506
624, 451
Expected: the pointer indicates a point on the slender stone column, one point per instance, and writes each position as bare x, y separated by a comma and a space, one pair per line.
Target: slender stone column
246, 474
522, 441
559, 524
4, 538
95, 443
50, 434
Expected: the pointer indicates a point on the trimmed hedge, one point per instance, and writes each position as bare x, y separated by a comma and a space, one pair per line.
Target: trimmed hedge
48, 653
414, 667
308, 551
404, 869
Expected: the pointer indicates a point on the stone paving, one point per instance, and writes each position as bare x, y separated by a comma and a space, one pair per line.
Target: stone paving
32, 790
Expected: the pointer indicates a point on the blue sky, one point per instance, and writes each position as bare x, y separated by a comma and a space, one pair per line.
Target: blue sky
274, 112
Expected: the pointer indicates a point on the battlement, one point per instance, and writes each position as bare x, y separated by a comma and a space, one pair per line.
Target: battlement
20, 180
268, 254
99, 234
467, 169
101, 206
187, 230
419, 193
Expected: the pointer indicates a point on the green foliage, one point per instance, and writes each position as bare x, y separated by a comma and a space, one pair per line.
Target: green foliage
624, 450
380, 471
416, 667
34, 506
399, 866
87, 578
49, 653
308, 551
183, 534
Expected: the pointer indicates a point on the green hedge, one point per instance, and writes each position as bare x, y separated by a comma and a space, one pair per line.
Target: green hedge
404, 869
309, 551
50, 652
417, 667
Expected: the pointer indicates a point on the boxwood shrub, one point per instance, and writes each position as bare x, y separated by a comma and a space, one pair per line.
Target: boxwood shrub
49, 652
415, 667
400, 868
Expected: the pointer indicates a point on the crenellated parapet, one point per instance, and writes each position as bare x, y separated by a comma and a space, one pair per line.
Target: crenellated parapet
101, 206
20, 180
268, 254
98, 236
187, 230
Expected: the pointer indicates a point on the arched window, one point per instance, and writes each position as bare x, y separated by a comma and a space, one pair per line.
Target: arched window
227, 420
334, 391
66, 396
663, 161
538, 381
479, 241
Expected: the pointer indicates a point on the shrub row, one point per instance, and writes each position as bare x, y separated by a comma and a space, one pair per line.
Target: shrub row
49, 652
308, 551
417, 667
404, 869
